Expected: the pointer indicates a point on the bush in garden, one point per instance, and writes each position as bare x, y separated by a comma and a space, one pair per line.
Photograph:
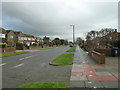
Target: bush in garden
19, 46
3, 45
34, 44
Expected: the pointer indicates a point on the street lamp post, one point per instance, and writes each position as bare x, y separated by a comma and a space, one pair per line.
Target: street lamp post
73, 34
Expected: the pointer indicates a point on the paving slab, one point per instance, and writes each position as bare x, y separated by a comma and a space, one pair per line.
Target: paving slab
103, 74
76, 74
83, 78
77, 84
75, 78
77, 70
108, 84
115, 74
100, 70
95, 84
102, 78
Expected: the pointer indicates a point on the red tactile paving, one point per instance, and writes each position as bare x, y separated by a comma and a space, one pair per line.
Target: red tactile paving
88, 73
91, 65
82, 67
76, 73
90, 70
86, 65
102, 78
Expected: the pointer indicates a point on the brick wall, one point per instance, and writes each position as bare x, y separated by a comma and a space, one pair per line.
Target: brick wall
9, 49
107, 52
35, 47
99, 57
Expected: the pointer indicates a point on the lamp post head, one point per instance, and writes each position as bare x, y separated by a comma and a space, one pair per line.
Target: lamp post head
71, 25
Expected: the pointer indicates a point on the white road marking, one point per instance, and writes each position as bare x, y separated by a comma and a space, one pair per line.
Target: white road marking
25, 58
28, 57
2, 64
18, 65
21, 58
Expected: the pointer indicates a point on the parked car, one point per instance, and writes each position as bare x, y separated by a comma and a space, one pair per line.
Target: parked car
70, 45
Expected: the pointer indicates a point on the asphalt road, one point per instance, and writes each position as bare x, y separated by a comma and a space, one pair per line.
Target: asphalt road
34, 67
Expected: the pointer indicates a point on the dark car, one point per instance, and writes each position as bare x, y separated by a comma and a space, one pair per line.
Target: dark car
71, 45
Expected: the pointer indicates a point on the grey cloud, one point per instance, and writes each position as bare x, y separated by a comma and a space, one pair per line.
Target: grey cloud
54, 19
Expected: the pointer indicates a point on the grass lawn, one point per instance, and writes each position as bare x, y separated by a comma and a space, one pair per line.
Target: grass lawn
73, 49
13, 53
46, 85
46, 48
64, 59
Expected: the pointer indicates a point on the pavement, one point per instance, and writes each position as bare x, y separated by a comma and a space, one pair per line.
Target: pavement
87, 73
34, 67
30, 50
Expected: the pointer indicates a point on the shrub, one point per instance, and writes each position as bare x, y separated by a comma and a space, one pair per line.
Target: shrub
19, 46
9, 46
34, 44
3, 45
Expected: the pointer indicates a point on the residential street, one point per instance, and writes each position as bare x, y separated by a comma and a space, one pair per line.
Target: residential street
34, 67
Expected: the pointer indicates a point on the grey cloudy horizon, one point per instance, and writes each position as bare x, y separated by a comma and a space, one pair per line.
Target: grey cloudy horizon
53, 19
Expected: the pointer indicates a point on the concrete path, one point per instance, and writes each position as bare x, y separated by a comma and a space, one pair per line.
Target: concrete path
86, 73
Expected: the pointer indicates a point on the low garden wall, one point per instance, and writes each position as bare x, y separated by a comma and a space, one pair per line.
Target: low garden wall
8, 49
107, 52
35, 47
99, 57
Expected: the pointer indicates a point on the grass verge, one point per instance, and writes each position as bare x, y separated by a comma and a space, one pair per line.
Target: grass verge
46, 85
64, 59
73, 49
13, 53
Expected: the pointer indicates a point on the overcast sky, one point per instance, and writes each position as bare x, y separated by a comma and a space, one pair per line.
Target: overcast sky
53, 19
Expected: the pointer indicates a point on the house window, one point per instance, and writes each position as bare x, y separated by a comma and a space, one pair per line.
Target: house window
37, 39
110, 37
29, 38
11, 36
22, 38
25, 38
33, 39
19, 38
2, 35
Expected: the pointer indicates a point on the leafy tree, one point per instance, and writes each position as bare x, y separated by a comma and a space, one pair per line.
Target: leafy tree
57, 41
46, 40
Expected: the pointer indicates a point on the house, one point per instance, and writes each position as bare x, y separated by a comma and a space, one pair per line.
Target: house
20, 37
3, 35
38, 40
29, 38
10, 37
